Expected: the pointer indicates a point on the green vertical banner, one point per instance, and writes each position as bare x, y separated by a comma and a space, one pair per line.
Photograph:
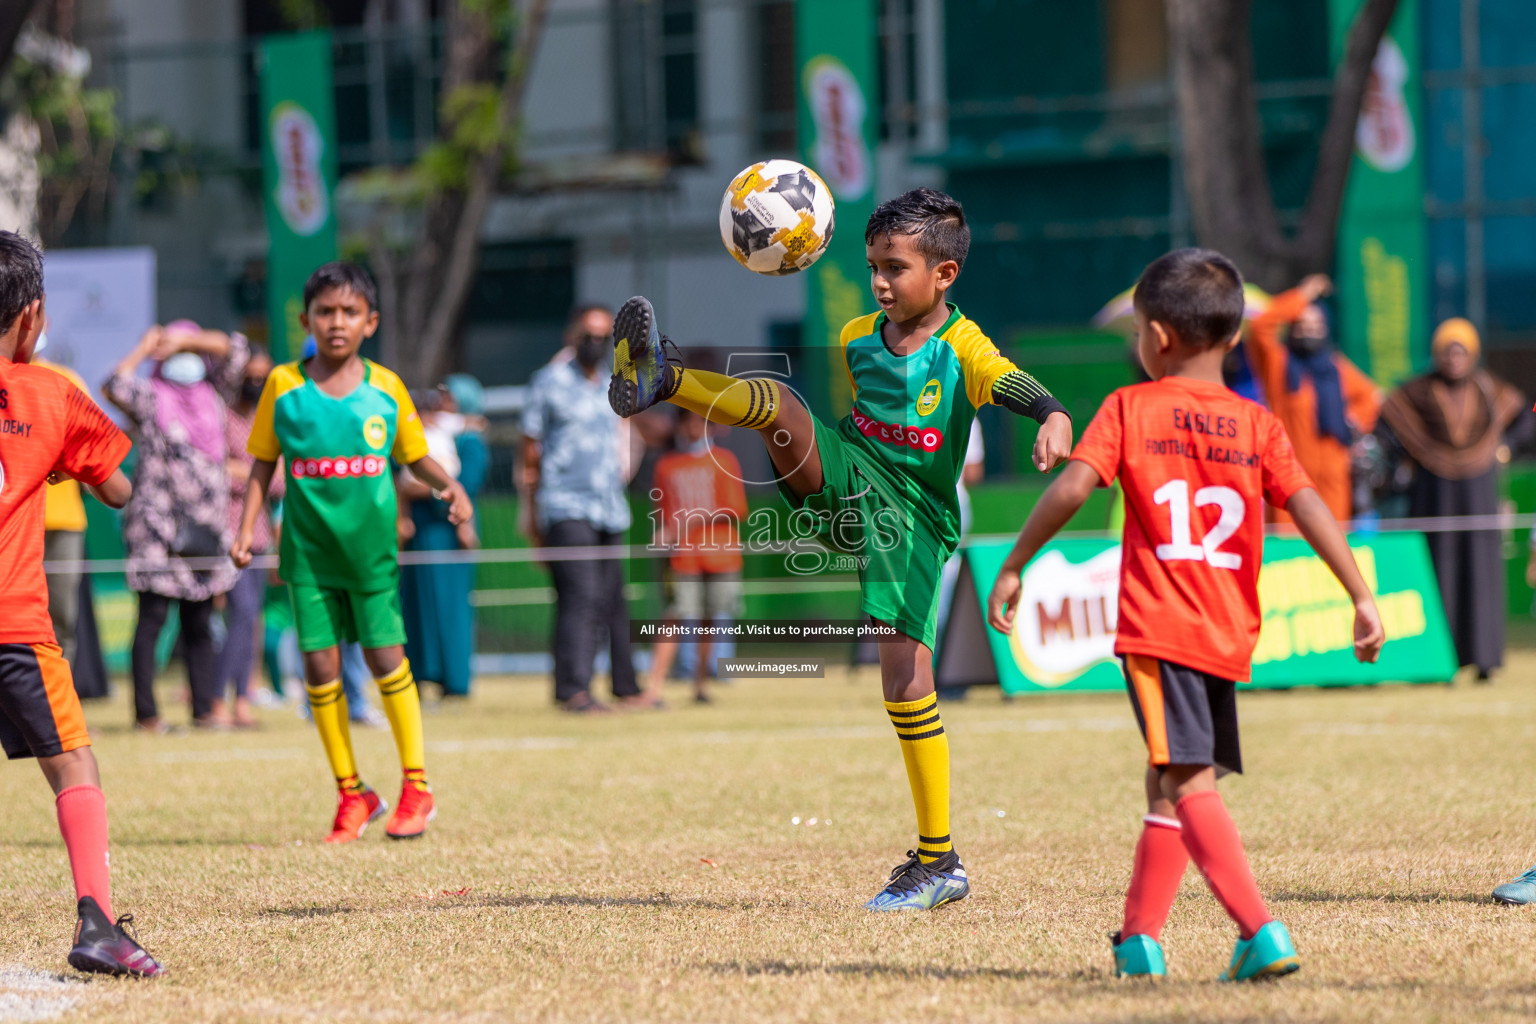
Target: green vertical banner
298, 174
1383, 258
835, 48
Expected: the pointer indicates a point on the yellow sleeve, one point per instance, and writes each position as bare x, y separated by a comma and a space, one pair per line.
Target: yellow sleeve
859, 327
263, 443
410, 438
980, 361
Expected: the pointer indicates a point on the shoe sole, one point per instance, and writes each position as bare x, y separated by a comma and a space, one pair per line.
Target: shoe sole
896, 910
632, 324
87, 961
1271, 971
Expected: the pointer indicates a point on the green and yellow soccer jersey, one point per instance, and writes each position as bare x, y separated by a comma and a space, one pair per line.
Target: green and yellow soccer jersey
912, 414
339, 512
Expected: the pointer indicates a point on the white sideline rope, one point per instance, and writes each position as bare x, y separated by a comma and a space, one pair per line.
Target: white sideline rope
599, 552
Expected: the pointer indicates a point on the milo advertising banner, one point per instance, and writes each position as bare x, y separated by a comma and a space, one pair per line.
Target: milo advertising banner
1064, 632
835, 50
298, 173
1383, 262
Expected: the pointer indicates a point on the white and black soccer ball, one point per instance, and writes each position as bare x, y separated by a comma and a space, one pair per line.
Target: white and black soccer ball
776, 218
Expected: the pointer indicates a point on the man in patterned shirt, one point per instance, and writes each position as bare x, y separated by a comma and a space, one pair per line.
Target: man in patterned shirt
571, 466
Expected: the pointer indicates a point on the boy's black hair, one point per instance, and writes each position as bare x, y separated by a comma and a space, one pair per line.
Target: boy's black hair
935, 217
21, 277
1197, 293
345, 276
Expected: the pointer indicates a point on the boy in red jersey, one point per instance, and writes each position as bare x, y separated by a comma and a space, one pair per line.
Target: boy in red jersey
1196, 463
50, 428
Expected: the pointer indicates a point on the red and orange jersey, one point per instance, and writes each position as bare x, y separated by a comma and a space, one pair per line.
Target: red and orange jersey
47, 425
1196, 463
702, 502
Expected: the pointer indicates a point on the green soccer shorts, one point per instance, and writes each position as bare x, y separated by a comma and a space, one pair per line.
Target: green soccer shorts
859, 511
326, 616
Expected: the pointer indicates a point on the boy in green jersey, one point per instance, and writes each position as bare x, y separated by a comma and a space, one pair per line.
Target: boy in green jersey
337, 419
880, 485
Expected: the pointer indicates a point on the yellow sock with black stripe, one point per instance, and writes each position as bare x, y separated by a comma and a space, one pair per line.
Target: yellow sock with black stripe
731, 401
925, 749
402, 706
328, 707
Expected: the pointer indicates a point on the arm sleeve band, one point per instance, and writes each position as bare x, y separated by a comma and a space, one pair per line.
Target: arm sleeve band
1018, 392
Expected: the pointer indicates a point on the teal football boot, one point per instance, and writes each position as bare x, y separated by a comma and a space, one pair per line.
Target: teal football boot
640, 370
918, 886
1519, 892
1138, 956
1269, 954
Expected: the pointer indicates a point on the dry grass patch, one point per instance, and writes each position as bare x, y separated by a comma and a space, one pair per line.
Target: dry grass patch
645, 868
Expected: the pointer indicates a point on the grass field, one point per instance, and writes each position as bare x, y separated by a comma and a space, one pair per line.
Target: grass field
646, 868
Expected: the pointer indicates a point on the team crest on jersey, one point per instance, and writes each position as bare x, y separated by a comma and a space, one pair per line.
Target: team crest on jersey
928, 401
375, 432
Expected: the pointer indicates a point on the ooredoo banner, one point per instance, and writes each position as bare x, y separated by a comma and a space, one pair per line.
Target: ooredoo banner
1064, 633
298, 161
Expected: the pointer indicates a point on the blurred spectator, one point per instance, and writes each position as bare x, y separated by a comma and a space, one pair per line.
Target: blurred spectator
440, 624
64, 536
242, 610
576, 496
701, 499
1321, 397
1451, 423
180, 504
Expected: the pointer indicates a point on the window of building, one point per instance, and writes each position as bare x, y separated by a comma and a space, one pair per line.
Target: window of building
656, 79
777, 72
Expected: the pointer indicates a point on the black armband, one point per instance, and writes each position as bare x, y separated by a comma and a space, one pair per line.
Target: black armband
1018, 392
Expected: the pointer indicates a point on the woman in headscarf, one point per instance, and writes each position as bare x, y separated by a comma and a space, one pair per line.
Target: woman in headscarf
440, 633
1322, 398
1451, 423
175, 528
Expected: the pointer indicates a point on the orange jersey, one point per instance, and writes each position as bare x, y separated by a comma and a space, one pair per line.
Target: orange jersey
47, 425
1195, 462
702, 502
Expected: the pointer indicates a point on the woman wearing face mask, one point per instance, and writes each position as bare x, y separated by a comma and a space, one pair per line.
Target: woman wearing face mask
1322, 398
1451, 423
440, 637
242, 610
176, 527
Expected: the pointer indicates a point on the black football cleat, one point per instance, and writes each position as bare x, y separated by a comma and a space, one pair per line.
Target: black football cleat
104, 947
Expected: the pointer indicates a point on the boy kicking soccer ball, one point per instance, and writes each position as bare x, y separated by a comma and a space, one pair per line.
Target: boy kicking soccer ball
49, 427
337, 419
1195, 462
881, 484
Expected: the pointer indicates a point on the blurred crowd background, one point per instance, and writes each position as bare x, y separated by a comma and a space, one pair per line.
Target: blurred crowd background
143, 144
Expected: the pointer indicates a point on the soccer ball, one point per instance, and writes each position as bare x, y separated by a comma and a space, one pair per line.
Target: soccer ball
776, 218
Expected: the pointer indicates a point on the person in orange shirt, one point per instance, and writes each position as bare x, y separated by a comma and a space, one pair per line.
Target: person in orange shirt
1322, 398
1196, 463
50, 429
700, 502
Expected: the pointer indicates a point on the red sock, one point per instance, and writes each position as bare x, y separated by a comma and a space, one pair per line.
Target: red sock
1160, 862
1217, 850
83, 823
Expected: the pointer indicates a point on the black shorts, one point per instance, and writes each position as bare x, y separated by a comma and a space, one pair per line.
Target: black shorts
1186, 716
40, 714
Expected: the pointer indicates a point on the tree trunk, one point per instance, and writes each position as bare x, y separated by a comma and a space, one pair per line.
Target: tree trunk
438, 273
1221, 138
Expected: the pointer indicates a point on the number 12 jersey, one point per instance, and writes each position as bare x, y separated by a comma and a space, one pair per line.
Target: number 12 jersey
1196, 463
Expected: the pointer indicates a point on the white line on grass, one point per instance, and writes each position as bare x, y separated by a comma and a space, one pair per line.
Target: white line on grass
511, 744
28, 995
